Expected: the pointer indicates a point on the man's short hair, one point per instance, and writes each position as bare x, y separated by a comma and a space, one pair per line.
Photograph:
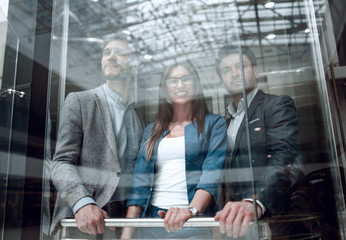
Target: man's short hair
228, 50
130, 40
119, 36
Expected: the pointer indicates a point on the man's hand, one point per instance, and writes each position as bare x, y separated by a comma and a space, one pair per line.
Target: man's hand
235, 217
175, 218
90, 219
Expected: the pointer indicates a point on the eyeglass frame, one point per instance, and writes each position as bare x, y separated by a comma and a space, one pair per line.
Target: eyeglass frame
185, 82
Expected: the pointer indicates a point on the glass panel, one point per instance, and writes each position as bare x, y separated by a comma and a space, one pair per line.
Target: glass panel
8, 50
3, 27
280, 148
290, 63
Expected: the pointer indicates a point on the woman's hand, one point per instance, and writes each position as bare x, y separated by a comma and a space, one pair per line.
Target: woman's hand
175, 218
133, 211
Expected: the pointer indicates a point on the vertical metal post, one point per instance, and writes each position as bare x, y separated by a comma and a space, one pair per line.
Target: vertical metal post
63, 60
9, 155
246, 118
327, 115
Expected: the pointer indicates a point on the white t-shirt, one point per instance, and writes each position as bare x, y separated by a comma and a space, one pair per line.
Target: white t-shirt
170, 178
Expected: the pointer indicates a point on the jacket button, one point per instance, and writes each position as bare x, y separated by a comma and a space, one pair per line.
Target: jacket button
118, 174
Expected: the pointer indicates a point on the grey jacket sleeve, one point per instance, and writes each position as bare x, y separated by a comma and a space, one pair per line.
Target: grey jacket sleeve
65, 174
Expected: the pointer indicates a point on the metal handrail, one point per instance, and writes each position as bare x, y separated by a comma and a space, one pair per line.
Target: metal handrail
147, 222
197, 222
192, 222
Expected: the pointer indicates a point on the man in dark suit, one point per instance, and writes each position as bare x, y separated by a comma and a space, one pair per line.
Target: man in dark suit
263, 153
99, 135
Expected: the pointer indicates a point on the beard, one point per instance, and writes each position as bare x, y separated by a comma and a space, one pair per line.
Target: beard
122, 75
237, 87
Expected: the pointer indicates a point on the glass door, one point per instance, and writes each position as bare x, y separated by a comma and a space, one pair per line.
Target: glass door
286, 155
8, 50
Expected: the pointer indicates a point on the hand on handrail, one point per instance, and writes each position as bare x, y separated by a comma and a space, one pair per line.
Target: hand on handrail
90, 219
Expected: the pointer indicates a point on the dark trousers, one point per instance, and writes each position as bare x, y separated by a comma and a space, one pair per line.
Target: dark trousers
116, 209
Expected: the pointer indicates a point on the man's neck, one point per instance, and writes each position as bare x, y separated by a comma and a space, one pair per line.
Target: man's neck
237, 98
120, 87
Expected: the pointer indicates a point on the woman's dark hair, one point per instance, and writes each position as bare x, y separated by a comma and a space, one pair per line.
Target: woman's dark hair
165, 110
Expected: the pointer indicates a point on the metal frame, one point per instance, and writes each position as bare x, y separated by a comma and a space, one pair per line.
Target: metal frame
204, 222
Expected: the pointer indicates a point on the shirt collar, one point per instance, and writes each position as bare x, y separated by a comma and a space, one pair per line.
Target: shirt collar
230, 109
116, 97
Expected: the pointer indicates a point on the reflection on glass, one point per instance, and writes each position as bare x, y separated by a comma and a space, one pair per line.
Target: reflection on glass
8, 66
288, 186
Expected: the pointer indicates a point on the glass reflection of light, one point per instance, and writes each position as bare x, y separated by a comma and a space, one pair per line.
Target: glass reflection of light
148, 57
269, 4
127, 32
271, 36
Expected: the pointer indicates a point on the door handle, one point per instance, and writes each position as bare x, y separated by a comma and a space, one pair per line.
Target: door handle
10, 91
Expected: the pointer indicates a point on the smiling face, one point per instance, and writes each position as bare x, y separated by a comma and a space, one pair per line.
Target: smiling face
180, 85
230, 69
115, 61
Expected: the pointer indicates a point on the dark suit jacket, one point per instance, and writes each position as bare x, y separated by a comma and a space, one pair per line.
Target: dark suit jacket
274, 146
85, 162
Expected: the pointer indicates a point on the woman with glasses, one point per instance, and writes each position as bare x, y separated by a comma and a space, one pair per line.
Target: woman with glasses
178, 171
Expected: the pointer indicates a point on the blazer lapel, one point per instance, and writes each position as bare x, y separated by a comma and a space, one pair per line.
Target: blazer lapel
108, 130
228, 121
237, 139
257, 100
251, 110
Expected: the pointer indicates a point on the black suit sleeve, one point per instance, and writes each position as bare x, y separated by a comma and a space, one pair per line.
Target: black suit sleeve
283, 146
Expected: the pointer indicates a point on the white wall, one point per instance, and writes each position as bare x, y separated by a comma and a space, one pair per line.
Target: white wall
4, 6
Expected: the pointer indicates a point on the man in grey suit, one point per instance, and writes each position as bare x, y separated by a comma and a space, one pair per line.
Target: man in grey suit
99, 134
272, 147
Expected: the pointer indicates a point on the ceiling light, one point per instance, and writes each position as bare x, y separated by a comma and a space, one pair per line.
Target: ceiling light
94, 0
269, 4
127, 32
307, 30
271, 36
148, 57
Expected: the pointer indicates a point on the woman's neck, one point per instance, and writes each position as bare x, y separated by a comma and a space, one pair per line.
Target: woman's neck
182, 112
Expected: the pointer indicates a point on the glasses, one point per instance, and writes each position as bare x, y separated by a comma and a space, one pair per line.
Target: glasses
172, 81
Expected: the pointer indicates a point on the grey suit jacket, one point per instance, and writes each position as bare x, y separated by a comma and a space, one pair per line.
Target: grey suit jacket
86, 158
